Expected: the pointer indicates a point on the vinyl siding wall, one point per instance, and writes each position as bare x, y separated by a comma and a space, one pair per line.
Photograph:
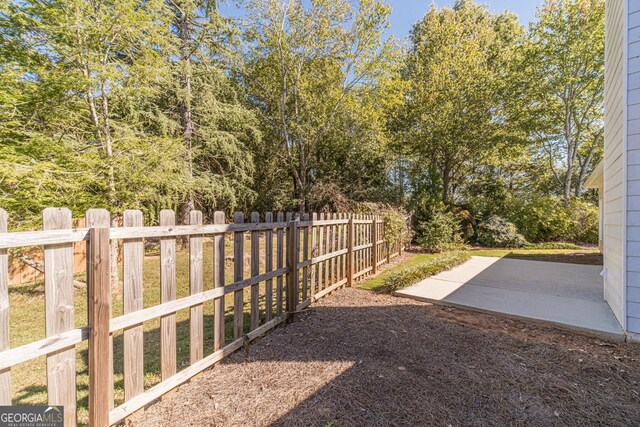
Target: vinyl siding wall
614, 158
633, 168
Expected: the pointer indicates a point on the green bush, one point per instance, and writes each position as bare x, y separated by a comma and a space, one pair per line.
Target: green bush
396, 228
439, 263
440, 233
549, 219
497, 232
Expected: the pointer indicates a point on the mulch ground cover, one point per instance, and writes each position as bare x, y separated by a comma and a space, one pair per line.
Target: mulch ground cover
359, 358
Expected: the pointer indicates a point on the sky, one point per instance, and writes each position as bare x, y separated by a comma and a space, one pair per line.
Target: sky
406, 12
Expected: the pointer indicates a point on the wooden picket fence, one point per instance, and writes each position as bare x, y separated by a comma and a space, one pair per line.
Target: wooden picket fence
314, 255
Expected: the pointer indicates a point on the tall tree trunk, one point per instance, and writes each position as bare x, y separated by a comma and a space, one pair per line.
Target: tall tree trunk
302, 198
584, 165
113, 201
186, 118
446, 184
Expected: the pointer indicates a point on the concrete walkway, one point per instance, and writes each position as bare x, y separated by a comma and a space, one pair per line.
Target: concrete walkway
564, 294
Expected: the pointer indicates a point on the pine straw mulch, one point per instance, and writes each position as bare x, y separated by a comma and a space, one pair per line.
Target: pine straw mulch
359, 358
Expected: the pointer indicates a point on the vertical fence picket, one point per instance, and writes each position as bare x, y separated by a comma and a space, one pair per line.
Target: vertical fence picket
168, 293
292, 263
238, 274
255, 271
314, 253
342, 244
365, 241
288, 218
332, 248
5, 374
320, 252
100, 345
345, 244
280, 261
356, 242
350, 254
268, 267
327, 250
365, 251
99, 218
370, 241
132, 259
218, 282
59, 306
305, 257
196, 277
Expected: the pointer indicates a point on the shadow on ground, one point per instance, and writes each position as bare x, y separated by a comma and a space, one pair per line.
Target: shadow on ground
359, 358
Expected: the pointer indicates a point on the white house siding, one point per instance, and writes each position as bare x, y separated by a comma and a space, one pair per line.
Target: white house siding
633, 168
614, 158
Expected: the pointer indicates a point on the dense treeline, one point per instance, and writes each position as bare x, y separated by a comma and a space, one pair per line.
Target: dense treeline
303, 105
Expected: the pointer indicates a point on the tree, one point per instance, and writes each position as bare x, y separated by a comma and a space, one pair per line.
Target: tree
304, 61
216, 129
92, 69
454, 116
565, 65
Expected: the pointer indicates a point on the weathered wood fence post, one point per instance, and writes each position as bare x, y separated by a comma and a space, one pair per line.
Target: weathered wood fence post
374, 247
60, 311
292, 264
99, 288
350, 257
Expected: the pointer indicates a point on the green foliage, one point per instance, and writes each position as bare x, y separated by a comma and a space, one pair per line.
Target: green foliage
155, 104
454, 111
551, 218
91, 107
439, 263
563, 61
497, 232
396, 228
304, 68
441, 232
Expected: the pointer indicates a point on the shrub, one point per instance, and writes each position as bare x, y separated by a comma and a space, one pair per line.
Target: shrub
407, 277
441, 232
396, 228
497, 232
549, 218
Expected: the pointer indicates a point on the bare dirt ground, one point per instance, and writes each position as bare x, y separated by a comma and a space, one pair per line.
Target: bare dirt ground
358, 358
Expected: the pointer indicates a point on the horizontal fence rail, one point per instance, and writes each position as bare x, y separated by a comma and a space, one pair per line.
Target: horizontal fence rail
293, 262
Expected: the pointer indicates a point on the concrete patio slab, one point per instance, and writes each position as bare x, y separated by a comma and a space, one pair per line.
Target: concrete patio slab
564, 294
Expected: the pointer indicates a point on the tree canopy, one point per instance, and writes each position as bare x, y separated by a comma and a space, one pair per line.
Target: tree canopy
304, 105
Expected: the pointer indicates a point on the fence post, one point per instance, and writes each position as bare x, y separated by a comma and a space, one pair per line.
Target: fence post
374, 247
292, 264
350, 257
99, 288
